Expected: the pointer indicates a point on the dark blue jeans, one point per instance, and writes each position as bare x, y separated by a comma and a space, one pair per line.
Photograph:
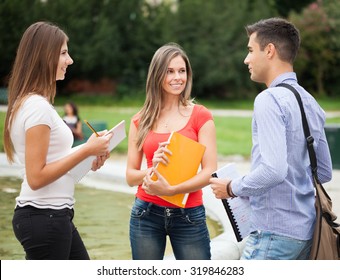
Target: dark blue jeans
186, 228
48, 234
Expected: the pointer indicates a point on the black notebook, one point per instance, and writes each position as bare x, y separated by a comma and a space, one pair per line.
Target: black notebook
237, 208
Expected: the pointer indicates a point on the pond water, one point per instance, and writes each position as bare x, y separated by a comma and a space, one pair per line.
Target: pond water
101, 216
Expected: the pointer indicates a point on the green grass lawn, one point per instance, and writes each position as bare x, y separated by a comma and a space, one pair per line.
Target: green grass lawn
233, 133
137, 100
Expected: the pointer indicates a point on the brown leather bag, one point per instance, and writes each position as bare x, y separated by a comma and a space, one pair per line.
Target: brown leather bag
326, 237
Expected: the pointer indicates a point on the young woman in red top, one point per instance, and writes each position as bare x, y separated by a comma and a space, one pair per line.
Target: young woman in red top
168, 107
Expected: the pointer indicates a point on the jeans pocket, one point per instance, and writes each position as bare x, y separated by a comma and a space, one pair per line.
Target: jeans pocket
22, 227
31, 228
137, 212
195, 216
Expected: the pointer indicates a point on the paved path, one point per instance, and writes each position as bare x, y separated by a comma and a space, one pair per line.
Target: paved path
249, 113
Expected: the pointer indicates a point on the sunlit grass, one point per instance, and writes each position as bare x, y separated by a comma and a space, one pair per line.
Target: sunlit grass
233, 133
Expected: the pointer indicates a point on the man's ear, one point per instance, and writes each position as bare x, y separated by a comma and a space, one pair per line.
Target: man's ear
270, 50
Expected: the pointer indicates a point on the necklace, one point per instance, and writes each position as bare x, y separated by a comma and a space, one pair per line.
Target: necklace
166, 123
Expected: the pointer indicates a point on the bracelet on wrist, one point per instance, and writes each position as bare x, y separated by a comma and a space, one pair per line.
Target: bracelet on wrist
229, 191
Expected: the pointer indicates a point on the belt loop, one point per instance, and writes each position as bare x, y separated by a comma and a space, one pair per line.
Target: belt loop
183, 211
149, 207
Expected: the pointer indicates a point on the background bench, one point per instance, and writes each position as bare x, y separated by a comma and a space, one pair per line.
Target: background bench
3, 96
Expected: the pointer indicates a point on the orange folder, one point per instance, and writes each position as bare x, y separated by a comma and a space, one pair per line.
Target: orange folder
183, 164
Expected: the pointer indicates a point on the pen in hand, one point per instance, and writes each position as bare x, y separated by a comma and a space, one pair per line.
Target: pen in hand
90, 126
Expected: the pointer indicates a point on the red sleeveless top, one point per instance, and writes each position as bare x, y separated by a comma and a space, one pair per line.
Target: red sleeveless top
200, 115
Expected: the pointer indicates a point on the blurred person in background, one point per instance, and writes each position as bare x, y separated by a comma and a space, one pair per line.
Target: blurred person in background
72, 119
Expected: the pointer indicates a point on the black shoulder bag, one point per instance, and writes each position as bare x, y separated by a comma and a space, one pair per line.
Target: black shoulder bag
326, 238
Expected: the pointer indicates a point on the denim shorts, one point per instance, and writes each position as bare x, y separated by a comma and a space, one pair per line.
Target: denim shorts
268, 246
186, 228
48, 234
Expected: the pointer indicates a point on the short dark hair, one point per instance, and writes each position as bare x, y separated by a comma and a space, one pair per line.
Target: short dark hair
280, 32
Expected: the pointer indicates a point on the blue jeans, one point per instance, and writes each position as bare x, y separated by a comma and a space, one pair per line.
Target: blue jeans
267, 246
187, 230
48, 234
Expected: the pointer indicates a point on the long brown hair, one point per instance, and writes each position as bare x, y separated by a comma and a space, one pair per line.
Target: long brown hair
34, 71
154, 89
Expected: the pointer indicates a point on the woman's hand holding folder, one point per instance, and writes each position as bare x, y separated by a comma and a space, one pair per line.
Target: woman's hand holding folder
160, 154
175, 162
159, 187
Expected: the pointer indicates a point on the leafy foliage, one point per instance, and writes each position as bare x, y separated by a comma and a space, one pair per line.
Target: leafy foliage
315, 57
115, 40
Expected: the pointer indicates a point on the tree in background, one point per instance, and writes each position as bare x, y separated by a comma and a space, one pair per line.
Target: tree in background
332, 81
116, 39
16, 16
103, 36
316, 55
213, 34
284, 7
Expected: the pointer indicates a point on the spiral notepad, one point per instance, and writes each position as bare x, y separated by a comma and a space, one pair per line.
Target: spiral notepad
237, 208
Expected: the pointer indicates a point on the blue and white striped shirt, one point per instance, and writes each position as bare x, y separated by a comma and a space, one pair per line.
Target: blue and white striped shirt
279, 184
